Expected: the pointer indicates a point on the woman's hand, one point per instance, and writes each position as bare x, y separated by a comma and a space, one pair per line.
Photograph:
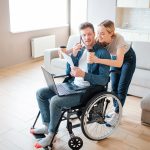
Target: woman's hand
77, 72
91, 58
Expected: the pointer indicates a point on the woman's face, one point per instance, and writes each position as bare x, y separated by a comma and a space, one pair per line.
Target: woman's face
103, 35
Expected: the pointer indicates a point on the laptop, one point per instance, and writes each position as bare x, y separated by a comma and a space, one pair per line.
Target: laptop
61, 89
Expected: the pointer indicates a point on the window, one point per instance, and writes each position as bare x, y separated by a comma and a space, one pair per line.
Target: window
27, 15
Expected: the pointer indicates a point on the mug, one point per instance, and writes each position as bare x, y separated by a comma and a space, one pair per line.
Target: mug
90, 52
62, 49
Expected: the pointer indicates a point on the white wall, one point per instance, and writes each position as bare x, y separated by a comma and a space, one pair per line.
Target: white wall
78, 14
94, 11
16, 48
100, 10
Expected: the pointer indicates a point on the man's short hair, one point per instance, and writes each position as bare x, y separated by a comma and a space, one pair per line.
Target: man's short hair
86, 25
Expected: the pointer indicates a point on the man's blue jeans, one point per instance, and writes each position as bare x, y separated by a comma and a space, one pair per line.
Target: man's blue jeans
121, 81
51, 106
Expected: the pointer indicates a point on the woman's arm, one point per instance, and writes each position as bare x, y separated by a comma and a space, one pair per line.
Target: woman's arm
98, 74
114, 63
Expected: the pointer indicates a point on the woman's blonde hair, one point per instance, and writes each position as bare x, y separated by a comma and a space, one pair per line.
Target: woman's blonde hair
109, 25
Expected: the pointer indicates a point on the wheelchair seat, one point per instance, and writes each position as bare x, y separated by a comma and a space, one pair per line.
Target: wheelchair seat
90, 92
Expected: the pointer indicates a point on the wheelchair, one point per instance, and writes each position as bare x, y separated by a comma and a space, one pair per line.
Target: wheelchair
94, 115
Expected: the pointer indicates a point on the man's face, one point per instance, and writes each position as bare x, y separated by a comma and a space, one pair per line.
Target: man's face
88, 37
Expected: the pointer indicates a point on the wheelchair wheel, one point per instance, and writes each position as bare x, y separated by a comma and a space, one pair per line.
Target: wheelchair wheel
97, 121
75, 143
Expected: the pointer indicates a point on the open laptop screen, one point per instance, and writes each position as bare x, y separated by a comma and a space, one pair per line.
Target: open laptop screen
49, 80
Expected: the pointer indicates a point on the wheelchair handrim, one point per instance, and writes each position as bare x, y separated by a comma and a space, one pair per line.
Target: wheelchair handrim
89, 107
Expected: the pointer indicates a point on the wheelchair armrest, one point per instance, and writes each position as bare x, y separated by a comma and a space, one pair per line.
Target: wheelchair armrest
59, 76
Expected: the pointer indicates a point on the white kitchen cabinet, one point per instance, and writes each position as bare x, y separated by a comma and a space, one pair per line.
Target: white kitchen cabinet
134, 35
133, 3
143, 4
126, 3
140, 36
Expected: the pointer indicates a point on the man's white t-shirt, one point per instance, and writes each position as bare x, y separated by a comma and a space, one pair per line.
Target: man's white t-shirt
79, 81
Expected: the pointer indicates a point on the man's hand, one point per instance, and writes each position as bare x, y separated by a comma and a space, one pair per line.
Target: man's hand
76, 48
77, 72
64, 50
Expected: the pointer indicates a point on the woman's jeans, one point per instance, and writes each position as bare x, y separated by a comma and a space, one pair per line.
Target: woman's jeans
51, 106
123, 76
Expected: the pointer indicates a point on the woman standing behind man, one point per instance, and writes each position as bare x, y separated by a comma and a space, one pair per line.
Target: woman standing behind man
123, 60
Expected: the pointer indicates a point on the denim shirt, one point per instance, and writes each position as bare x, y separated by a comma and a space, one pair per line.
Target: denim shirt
98, 74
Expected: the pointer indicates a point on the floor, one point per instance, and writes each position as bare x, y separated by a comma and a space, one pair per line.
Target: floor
18, 109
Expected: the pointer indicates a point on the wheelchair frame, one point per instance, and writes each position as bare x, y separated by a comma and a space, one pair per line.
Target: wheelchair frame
76, 142
95, 104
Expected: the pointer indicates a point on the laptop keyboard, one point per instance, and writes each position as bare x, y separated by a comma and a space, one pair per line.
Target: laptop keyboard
62, 89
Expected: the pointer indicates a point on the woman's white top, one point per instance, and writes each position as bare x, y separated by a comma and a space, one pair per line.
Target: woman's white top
117, 43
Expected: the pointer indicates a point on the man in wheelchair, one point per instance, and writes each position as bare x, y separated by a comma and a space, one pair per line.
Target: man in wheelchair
97, 75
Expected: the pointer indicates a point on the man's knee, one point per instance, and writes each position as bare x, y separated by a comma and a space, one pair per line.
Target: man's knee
55, 100
43, 93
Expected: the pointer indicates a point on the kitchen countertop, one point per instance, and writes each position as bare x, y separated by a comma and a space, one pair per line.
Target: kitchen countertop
140, 30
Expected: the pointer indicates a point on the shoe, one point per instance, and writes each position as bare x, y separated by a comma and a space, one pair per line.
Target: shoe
113, 121
44, 142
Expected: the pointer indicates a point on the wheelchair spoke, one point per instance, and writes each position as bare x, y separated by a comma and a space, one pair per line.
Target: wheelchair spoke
95, 121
